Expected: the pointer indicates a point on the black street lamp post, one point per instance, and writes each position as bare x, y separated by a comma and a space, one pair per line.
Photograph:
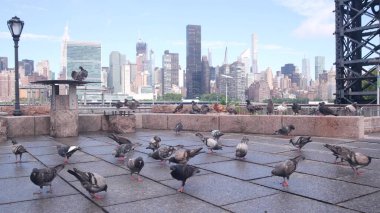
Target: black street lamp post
15, 26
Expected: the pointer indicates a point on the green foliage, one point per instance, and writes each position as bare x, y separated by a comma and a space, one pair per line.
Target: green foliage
289, 100
210, 97
367, 86
170, 97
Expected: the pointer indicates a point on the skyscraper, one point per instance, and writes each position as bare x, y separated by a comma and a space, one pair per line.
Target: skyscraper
255, 68
65, 38
244, 58
28, 66
306, 68
205, 76
170, 69
116, 62
3, 63
193, 61
319, 66
87, 55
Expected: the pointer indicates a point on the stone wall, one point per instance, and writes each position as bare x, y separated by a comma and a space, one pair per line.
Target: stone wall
372, 124
28, 110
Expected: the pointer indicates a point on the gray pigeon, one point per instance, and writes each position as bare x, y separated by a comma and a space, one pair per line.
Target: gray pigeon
205, 109
163, 153
209, 142
195, 108
92, 182
67, 151
18, 149
339, 152
182, 172
270, 107
296, 108
216, 134
300, 141
242, 148
285, 130
119, 139
80, 75
178, 128
44, 177
154, 143
182, 156
178, 108
323, 109
358, 160
124, 149
286, 168
135, 165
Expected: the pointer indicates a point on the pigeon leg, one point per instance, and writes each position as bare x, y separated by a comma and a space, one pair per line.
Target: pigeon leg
38, 192
120, 158
139, 179
66, 160
96, 197
132, 177
50, 190
16, 159
181, 189
285, 183
20, 157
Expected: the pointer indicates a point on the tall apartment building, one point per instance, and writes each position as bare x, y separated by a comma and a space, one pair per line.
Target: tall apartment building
193, 61
205, 75
170, 71
3, 63
319, 66
87, 55
43, 69
255, 68
28, 66
306, 68
116, 63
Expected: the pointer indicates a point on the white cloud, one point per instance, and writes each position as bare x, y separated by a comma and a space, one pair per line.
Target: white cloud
31, 36
319, 17
270, 47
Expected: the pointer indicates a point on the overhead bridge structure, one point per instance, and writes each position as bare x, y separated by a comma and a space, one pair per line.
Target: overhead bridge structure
357, 31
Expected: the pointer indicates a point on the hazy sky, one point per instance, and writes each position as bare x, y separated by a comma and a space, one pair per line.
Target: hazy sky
287, 30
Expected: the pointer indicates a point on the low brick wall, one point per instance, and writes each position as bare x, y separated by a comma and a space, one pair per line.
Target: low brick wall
372, 124
321, 126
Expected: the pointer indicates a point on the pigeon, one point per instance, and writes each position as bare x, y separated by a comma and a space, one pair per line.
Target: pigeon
135, 165
242, 148
182, 156
44, 177
352, 109
205, 109
18, 149
339, 152
67, 151
178, 108
132, 105
216, 134
251, 108
122, 150
358, 160
296, 108
270, 107
300, 141
218, 107
209, 142
286, 168
231, 110
282, 108
118, 104
323, 109
92, 182
119, 139
163, 153
154, 143
80, 75
178, 127
285, 130
195, 108
182, 172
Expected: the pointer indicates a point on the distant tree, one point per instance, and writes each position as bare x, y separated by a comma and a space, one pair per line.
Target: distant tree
210, 97
288, 100
170, 97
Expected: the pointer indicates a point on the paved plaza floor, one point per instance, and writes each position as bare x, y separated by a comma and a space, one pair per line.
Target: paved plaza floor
224, 184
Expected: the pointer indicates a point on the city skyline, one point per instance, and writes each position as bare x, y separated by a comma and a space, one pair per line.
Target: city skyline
290, 32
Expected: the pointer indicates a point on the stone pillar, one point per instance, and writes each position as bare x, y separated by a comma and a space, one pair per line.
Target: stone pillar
3, 130
64, 113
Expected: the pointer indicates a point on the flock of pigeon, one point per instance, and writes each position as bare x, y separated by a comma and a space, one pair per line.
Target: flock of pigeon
180, 156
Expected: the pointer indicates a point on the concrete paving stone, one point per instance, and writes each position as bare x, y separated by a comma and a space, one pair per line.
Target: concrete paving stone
172, 203
160, 172
368, 178
270, 140
77, 157
369, 203
115, 161
43, 150
220, 190
34, 138
239, 169
5, 150
374, 165
99, 150
121, 189
11, 170
22, 189
284, 203
80, 141
10, 158
268, 148
68, 204
205, 158
335, 141
323, 169
102, 168
316, 155
259, 157
364, 145
33, 144
320, 146
374, 153
327, 190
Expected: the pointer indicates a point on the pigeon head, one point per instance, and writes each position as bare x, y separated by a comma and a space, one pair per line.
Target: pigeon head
248, 101
172, 160
291, 126
199, 135
291, 140
35, 171
14, 142
156, 138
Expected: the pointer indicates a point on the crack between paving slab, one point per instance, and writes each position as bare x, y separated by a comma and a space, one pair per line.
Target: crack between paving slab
358, 197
